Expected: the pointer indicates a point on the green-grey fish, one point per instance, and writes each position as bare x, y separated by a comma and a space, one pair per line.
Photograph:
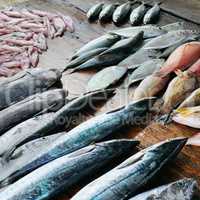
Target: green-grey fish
94, 11
85, 56
114, 55
152, 15
106, 78
183, 189
101, 42
58, 175
145, 69
130, 176
107, 13
137, 14
174, 26
121, 13
150, 31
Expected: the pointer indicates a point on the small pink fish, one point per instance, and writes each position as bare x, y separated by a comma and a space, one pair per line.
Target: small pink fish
68, 23
59, 24
12, 13
50, 27
11, 49
4, 17
27, 13
43, 13
19, 42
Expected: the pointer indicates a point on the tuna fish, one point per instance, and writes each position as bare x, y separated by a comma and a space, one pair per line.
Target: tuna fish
126, 179
93, 12
107, 12
137, 14
61, 173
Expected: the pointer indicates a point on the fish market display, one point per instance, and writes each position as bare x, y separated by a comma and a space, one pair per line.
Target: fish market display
145, 69
93, 12
105, 78
127, 178
27, 108
152, 14
107, 13
137, 14
61, 173
184, 189
23, 36
113, 55
15, 89
47, 124
90, 131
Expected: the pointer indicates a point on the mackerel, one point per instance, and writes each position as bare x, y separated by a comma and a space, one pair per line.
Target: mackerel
94, 11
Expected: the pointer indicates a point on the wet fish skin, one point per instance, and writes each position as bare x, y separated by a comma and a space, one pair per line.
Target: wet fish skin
107, 12
152, 14
101, 42
121, 13
62, 173
11, 116
90, 131
105, 78
94, 11
137, 14
183, 189
84, 57
127, 178
145, 69
15, 89
114, 55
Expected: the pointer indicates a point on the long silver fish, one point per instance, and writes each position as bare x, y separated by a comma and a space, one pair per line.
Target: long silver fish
93, 130
137, 14
126, 179
64, 172
26, 83
93, 12
184, 189
107, 13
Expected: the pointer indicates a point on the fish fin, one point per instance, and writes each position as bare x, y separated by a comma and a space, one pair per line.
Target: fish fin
194, 140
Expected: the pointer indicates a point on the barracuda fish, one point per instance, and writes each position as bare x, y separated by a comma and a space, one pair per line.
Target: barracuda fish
61, 173
137, 14
174, 26
93, 12
126, 179
105, 78
145, 69
93, 130
49, 100
152, 15
104, 41
26, 83
85, 57
114, 55
47, 124
171, 38
150, 31
107, 12
121, 13
184, 189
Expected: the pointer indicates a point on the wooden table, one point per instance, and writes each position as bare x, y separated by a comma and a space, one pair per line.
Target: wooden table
60, 50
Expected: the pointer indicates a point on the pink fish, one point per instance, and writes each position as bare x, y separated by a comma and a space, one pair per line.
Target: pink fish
11, 49
19, 42
12, 13
68, 23
43, 13
4, 17
27, 13
59, 24
50, 27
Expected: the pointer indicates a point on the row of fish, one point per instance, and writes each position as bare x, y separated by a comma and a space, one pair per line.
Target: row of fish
120, 13
23, 37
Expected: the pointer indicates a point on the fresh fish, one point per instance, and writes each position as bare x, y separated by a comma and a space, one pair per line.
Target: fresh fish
107, 13
93, 130
121, 13
150, 86
137, 14
174, 26
184, 189
47, 124
179, 89
114, 55
189, 116
61, 173
106, 78
15, 89
171, 38
94, 11
152, 15
101, 42
85, 57
181, 58
13, 115
150, 31
145, 69
126, 179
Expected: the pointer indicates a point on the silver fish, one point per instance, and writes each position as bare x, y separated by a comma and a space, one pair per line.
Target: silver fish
152, 15
107, 12
137, 14
93, 12
174, 26
126, 179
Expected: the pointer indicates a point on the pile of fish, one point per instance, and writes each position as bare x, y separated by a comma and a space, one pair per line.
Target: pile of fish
121, 13
23, 36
